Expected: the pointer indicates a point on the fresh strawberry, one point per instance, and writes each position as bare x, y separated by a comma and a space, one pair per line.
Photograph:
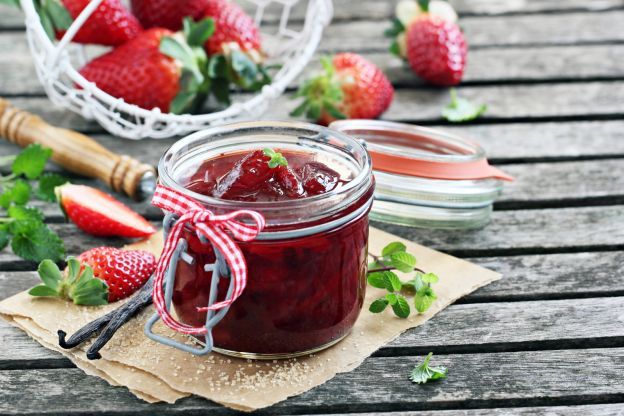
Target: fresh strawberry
99, 276
167, 13
99, 214
110, 24
124, 271
157, 69
350, 87
436, 50
235, 49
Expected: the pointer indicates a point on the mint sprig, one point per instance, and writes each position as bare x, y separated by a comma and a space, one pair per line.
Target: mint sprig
394, 256
21, 226
423, 373
460, 109
277, 159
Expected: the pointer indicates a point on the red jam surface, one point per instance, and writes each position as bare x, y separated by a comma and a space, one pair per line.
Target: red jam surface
302, 293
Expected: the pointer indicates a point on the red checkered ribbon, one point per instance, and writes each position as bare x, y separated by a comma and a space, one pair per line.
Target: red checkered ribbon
216, 229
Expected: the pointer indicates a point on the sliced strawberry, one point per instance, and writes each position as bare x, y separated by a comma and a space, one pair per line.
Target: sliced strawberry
349, 87
317, 178
99, 214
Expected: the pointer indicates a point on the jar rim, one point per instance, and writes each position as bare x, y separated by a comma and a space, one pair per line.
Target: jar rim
363, 176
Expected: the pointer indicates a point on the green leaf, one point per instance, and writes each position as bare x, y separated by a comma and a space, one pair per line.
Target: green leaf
300, 110
221, 90
277, 159
31, 161
38, 244
90, 292
377, 279
394, 247
424, 5
182, 52
403, 261
374, 265
182, 102
197, 33
48, 26
395, 49
392, 281
73, 270
378, 305
430, 278
18, 193
43, 290
391, 298
460, 109
422, 373
14, 3
401, 308
47, 183
50, 274
59, 15
21, 213
424, 299
396, 29
217, 67
5, 237
333, 110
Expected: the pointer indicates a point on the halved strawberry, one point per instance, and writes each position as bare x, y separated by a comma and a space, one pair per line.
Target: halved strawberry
99, 214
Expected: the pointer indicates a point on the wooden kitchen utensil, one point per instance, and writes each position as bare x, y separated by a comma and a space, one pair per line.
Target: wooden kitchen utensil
78, 153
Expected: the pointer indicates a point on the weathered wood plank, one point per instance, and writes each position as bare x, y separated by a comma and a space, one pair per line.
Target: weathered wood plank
503, 143
477, 327
533, 231
546, 29
505, 102
484, 65
528, 277
528, 231
380, 384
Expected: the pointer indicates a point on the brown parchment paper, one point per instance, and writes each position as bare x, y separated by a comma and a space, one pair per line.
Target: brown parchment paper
154, 372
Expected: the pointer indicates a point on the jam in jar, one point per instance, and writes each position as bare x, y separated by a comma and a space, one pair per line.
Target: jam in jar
307, 268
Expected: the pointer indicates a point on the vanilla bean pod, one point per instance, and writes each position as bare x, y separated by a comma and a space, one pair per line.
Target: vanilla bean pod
110, 322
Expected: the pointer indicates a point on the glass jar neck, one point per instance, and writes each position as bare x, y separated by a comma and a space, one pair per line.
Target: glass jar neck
340, 152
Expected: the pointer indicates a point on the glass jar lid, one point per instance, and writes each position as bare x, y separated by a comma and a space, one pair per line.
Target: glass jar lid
419, 170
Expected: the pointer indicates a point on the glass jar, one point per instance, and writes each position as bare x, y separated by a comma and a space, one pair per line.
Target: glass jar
306, 269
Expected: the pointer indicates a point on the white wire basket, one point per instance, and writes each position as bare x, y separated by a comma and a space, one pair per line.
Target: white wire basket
287, 40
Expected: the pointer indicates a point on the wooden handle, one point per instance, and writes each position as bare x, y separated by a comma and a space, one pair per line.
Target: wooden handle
73, 151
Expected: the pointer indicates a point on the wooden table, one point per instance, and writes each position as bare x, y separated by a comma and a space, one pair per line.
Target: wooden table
549, 336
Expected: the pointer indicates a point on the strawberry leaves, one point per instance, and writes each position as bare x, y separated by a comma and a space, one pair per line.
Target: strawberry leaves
461, 110
78, 284
23, 226
394, 256
54, 16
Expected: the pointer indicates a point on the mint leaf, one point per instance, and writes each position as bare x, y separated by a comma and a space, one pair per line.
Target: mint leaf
18, 192
392, 282
47, 183
430, 278
5, 237
391, 298
31, 161
403, 261
377, 280
424, 299
277, 159
460, 109
21, 213
394, 247
378, 305
38, 244
422, 373
401, 307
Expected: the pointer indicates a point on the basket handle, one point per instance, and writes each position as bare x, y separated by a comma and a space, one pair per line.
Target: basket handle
76, 152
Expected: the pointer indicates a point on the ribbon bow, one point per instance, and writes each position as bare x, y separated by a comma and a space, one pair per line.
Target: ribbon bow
214, 228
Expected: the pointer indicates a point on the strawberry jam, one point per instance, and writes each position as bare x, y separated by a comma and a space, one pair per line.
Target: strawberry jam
307, 269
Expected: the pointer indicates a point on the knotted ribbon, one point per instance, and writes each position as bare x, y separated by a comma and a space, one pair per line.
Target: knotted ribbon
217, 230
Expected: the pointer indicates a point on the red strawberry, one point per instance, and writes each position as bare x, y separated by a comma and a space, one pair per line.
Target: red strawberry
350, 87
167, 13
99, 276
436, 50
289, 182
110, 24
99, 214
124, 271
247, 176
148, 70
